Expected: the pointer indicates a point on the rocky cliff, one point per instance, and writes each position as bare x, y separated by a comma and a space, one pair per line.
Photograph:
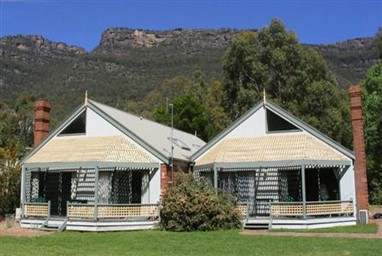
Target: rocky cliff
122, 38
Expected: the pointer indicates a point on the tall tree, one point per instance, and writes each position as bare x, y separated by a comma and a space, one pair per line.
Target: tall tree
295, 77
372, 110
198, 109
378, 41
16, 133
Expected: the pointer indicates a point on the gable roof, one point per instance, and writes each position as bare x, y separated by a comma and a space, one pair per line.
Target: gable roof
152, 136
283, 114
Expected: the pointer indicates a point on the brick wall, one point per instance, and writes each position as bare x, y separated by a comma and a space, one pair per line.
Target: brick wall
359, 148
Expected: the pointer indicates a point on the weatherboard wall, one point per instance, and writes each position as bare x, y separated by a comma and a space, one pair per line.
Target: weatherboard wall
255, 125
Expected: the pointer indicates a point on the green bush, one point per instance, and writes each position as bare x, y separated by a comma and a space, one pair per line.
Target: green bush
9, 189
194, 205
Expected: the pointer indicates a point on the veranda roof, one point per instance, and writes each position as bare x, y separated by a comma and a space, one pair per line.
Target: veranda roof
290, 148
91, 150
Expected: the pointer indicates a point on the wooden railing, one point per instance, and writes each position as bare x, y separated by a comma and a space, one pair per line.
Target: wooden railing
112, 210
80, 210
296, 209
36, 209
242, 208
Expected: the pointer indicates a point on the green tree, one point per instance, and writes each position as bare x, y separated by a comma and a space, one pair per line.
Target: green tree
197, 109
16, 134
378, 41
189, 115
293, 76
372, 111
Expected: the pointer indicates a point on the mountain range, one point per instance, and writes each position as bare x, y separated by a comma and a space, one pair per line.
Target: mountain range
128, 64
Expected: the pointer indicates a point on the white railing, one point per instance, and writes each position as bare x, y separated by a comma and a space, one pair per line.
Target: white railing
112, 211
299, 209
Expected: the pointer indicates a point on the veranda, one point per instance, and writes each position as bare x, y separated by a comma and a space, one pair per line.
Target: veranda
299, 196
85, 198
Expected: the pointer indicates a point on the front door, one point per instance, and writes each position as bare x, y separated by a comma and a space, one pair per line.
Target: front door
57, 191
136, 187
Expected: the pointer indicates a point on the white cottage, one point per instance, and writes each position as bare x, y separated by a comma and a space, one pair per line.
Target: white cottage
283, 172
101, 169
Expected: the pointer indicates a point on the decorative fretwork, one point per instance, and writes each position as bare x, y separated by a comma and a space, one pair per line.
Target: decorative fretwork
28, 185
34, 187
121, 187
59, 199
73, 185
104, 187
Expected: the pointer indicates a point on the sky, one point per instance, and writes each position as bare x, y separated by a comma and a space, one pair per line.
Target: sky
81, 22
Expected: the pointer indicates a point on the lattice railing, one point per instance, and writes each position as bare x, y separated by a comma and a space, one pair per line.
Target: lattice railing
329, 208
80, 210
37, 209
286, 209
289, 209
242, 208
129, 210
112, 210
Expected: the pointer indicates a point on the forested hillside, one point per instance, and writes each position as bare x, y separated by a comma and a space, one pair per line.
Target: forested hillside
128, 64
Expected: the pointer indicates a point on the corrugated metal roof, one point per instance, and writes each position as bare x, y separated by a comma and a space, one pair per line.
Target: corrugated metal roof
287, 146
91, 149
154, 134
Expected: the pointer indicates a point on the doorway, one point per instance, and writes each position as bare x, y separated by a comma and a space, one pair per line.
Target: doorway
57, 191
136, 187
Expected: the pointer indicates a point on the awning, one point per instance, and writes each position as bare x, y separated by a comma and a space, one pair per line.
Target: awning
91, 151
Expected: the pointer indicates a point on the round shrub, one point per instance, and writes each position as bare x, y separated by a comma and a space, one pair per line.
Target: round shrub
194, 205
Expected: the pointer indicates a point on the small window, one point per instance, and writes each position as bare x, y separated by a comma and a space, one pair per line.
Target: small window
77, 126
276, 123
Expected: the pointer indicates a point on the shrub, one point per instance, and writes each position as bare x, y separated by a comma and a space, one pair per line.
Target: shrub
9, 190
194, 205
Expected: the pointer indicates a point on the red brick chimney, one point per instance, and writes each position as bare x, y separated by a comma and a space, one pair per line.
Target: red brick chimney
41, 121
359, 148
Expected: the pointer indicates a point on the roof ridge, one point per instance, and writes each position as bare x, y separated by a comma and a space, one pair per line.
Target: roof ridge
142, 118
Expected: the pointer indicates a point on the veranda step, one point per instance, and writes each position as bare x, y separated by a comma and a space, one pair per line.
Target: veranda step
256, 226
53, 225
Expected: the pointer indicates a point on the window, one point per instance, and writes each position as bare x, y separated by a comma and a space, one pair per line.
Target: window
77, 126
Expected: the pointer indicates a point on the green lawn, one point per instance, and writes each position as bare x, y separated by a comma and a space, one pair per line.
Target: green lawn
357, 229
374, 207
156, 242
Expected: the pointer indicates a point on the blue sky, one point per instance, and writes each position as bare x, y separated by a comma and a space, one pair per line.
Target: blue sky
82, 22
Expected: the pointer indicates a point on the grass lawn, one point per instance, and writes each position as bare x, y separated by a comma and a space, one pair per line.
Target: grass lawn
155, 242
374, 207
357, 229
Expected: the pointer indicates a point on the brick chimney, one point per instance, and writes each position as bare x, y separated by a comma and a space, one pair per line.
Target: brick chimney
41, 121
359, 148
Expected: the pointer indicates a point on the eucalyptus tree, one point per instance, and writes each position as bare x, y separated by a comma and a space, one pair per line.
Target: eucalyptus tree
372, 111
294, 76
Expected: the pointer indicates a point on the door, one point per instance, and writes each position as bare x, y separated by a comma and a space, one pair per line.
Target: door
136, 187
58, 189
